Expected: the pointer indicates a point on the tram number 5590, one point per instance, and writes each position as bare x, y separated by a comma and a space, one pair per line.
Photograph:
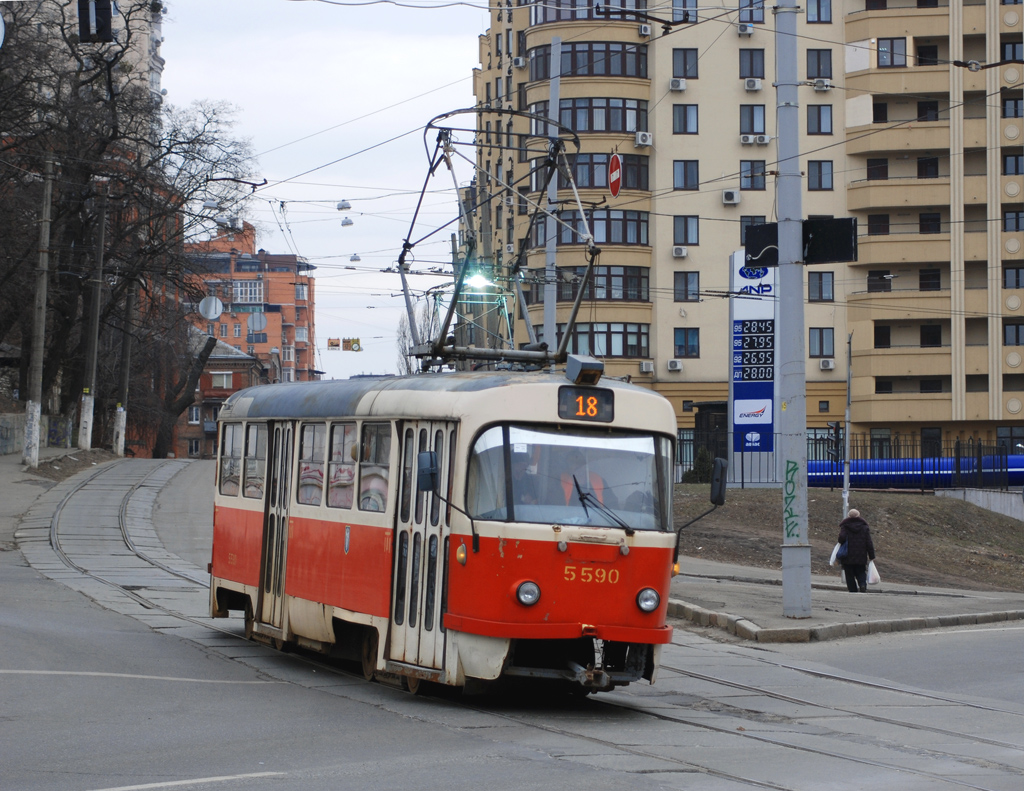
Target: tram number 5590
586, 574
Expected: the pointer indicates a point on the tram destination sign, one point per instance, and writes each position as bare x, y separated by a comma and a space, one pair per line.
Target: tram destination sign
592, 404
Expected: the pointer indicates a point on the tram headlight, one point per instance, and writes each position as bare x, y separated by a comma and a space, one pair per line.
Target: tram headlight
528, 593
648, 600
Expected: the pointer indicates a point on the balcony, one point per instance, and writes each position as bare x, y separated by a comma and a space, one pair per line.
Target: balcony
932, 22
903, 248
917, 80
899, 407
210, 426
910, 136
897, 193
900, 305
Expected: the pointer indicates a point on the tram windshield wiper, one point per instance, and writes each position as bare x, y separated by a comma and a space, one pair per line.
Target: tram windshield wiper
601, 507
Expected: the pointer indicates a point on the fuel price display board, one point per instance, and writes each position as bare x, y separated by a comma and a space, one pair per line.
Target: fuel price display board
753, 357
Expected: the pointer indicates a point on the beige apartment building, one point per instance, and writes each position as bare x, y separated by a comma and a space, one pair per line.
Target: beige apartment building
927, 155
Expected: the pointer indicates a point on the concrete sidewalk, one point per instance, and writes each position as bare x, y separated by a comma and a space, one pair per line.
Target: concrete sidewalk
20, 487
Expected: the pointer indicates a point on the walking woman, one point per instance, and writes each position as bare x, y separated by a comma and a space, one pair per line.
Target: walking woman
859, 550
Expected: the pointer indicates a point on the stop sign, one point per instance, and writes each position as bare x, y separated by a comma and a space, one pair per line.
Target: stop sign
614, 175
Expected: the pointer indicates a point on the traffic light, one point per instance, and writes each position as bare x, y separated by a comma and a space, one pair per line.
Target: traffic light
834, 444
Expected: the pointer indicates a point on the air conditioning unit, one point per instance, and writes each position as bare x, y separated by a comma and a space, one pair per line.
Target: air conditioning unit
823, 85
677, 84
730, 197
679, 251
752, 84
646, 367
826, 365
645, 31
519, 63
675, 365
510, 200
744, 29
747, 140
510, 249
644, 139
763, 140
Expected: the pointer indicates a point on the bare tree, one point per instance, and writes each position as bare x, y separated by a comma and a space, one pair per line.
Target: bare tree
428, 322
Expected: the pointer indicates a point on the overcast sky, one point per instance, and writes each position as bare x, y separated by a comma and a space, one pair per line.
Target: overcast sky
297, 68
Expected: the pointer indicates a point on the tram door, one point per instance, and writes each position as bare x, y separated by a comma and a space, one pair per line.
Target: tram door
275, 526
421, 539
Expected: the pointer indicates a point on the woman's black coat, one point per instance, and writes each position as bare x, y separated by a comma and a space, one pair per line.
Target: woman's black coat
857, 535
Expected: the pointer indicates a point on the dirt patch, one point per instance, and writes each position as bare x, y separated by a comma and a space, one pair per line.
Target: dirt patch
919, 539
61, 467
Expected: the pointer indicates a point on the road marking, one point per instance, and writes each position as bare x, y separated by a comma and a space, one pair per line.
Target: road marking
128, 675
202, 780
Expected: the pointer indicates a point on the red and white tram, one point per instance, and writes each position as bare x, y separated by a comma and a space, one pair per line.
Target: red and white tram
545, 550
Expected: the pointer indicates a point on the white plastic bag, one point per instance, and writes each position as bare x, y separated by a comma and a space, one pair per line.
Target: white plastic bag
832, 560
873, 578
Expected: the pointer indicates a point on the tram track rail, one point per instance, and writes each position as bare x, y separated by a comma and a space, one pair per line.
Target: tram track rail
615, 701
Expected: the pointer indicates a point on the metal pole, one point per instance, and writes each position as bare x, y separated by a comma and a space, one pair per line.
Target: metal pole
121, 416
551, 242
85, 420
846, 438
796, 549
33, 409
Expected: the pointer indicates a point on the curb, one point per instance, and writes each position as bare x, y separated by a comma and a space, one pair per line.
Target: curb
747, 630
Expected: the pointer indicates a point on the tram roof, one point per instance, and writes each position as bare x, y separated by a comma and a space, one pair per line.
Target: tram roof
336, 397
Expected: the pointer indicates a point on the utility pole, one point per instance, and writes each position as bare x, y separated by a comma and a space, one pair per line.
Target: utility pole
33, 409
85, 418
121, 415
846, 436
551, 240
796, 548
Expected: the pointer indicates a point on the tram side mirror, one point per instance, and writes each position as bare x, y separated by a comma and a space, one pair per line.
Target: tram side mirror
718, 480
426, 471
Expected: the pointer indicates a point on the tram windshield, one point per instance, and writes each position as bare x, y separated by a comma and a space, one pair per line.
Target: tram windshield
572, 477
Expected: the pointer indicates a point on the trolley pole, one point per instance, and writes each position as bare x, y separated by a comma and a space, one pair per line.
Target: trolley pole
33, 409
551, 240
85, 418
796, 549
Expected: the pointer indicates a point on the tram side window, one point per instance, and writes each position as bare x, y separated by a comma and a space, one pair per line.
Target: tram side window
342, 469
375, 456
230, 458
255, 461
311, 463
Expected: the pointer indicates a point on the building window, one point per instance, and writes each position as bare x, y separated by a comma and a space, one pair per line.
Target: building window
821, 342
823, 406
684, 10
1013, 108
819, 286
220, 381
819, 11
752, 174
819, 64
604, 339
1013, 220
684, 119
590, 59
746, 221
819, 174
626, 283
687, 342
684, 63
195, 448
1013, 335
1013, 277
302, 334
931, 336
247, 291
752, 11
223, 330
751, 63
879, 281
752, 119
878, 169
929, 222
1013, 165
819, 119
927, 167
686, 230
883, 386
194, 414
879, 113
931, 385
685, 174
930, 280
878, 225
687, 287
288, 375
584, 115
892, 53
591, 171
211, 329
238, 330
1013, 50
287, 354
883, 336
301, 292
927, 54
928, 111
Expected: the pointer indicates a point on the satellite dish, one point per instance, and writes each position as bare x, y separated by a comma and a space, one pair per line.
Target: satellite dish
210, 308
257, 322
